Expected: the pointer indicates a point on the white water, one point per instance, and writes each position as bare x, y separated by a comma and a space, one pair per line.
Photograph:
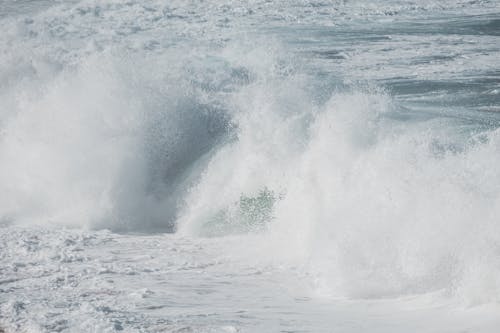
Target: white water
322, 165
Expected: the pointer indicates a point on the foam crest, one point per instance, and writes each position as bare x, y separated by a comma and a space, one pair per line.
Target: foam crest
107, 143
370, 205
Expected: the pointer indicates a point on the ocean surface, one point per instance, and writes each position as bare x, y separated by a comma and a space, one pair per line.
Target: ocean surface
250, 166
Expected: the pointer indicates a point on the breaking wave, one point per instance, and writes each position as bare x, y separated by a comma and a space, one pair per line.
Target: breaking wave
372, 198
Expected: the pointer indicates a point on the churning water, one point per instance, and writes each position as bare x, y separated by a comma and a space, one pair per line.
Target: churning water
250, 166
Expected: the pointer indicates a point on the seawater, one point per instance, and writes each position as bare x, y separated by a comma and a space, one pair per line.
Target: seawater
249, 166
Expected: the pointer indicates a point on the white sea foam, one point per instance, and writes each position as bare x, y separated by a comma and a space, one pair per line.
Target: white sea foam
342, 151
374, 207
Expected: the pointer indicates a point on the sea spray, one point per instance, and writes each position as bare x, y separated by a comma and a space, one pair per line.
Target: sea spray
347, 140
374, 206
